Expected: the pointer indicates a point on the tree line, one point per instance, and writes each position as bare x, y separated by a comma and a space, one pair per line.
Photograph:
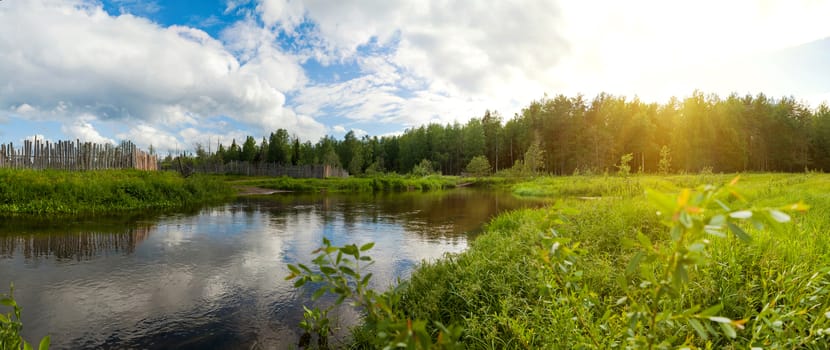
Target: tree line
565, 135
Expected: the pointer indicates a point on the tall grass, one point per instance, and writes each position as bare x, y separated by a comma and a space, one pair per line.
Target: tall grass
62, 192
777, 287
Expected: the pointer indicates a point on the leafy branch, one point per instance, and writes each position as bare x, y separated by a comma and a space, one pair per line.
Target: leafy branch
341, 271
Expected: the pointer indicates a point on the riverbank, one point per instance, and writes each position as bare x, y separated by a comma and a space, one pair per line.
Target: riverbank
380, 183
38, 192
572, 274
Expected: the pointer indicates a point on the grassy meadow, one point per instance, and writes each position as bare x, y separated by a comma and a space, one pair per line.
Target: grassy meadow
591, 271
34, 192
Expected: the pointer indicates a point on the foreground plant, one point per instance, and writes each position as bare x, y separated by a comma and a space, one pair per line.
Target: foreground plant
656, 310
341, 271
11, 326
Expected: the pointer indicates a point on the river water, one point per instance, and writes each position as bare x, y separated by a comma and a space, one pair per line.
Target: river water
214, 278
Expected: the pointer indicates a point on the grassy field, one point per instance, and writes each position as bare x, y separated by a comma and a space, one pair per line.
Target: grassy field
28, 192
601, 269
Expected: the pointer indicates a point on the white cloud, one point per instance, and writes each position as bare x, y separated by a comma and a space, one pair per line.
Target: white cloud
340, 129
24, 108
288, 13
458, 58
232, 5
82, 129
129, 69
363, 98
144, 136
458, 46
371, 98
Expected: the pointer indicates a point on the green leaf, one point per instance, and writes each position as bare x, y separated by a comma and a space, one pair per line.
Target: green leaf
293, 269
696, 247
739, 232
720, 319
728, 330
644, 241
350, 249
663, 202
699, 328
722, 205
676, 232
328, 270
711, 311
366, 279
714, 230
622, 281
44, 343
318, 293
685, 219
347, 270
8, 302
633, 264
717, 220
741, 214
27, 346
4, 319
779, 216
367, 246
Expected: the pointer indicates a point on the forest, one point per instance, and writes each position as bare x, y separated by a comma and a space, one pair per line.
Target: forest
574, 135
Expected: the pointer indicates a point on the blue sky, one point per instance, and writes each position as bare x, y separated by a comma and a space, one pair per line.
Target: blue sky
176, 73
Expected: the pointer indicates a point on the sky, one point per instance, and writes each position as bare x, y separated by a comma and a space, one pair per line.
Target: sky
173, 74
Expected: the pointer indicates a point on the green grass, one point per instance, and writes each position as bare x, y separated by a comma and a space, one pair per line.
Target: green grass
499, 290
381, 183
27, 192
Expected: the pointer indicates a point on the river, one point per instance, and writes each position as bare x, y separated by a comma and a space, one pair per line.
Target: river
213, 278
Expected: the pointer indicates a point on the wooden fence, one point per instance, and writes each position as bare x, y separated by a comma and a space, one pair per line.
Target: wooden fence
270, 169
68, 155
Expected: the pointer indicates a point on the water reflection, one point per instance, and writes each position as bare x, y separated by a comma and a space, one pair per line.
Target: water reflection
215, 278
77, 246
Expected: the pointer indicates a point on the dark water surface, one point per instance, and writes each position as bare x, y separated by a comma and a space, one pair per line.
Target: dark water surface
214, 278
